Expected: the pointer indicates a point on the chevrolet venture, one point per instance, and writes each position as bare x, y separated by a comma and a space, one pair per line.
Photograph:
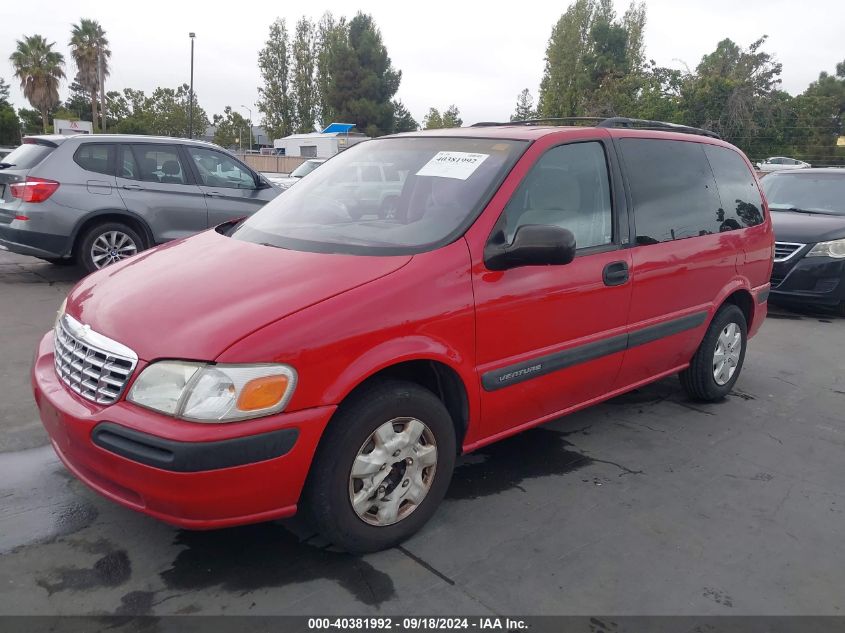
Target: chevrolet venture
311, 358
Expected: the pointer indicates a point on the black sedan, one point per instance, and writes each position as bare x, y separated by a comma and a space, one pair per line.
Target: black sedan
808, 214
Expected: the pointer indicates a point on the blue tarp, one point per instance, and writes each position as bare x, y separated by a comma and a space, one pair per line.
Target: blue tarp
335, 128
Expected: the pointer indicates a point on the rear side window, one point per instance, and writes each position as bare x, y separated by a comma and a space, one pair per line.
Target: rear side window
28, 155
96, 157
159, 163
742, 204
673, 190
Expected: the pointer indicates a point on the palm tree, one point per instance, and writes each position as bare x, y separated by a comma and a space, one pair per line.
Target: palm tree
39, 69
87, 43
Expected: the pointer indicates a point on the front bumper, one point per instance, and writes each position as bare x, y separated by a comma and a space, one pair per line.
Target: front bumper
195, 476
810, 280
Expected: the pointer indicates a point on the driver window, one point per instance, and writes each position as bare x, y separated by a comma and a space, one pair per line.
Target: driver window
568, 187
218, 170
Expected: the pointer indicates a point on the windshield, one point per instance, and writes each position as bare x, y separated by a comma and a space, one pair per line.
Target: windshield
305, 168
821, 192
28, 155
387, 196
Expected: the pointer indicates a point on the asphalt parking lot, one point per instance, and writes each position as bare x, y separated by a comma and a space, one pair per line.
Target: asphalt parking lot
647, 504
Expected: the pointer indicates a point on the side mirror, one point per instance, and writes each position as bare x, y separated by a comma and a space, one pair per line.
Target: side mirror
260, 183
533, 245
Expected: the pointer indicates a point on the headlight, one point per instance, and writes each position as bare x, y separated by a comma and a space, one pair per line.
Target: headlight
213, 393
835, 248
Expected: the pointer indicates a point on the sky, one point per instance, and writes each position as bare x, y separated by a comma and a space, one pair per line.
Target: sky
477, 55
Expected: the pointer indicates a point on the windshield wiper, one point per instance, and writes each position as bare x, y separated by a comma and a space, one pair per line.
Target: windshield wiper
802, 210
5, 165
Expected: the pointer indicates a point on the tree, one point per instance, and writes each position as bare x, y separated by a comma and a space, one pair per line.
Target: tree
39, 69
274, 100
10, 126
166, 112
402, 119
233, 130
734, 92
451, 117
594, 61
331, 42
563, 78
304, 87
79, 102
433, 120
362, 79
524, 107
30, 121
90, 51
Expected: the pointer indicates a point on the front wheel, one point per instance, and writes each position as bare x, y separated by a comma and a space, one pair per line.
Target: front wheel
715, 367
383, 467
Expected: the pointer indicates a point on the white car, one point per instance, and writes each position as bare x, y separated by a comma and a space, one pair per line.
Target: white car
777, 163
303, 170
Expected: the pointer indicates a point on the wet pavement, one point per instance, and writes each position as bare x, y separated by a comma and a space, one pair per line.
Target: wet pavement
647, 504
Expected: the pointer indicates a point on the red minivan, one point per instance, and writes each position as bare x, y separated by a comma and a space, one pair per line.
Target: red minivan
340, 348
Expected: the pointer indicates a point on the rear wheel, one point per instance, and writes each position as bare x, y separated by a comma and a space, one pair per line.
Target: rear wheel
106, 244
718, 361
383, 467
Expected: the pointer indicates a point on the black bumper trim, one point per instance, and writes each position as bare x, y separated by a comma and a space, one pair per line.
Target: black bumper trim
34, 243
542, 365
763, 296
186, 457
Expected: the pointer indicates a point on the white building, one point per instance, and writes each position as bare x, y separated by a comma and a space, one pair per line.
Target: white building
335, 138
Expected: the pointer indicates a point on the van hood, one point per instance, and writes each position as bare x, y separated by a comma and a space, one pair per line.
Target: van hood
806, 228
193, 298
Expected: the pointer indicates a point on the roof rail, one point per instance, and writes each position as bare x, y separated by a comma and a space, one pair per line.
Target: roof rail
644, 124
612, 122
553, 120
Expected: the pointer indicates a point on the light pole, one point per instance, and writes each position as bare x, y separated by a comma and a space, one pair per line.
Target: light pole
248, 109
192, 35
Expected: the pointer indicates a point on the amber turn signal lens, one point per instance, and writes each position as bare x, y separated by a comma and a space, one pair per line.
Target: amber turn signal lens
262, 393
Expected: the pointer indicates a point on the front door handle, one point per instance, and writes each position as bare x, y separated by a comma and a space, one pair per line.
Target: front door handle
615, 274
133, 187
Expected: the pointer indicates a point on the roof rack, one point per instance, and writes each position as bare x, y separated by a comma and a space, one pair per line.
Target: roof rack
594, 120
644, 124
612, 122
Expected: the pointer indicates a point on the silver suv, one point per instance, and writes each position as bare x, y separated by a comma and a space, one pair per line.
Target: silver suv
100, 199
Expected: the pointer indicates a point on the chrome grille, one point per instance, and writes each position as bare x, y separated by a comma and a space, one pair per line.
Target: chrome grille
90, 364
786, 250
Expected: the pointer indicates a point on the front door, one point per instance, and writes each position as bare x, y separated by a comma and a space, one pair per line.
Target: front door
228, 186
552, 337
154, 183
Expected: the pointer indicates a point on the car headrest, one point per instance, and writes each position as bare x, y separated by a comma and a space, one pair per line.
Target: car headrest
170, 168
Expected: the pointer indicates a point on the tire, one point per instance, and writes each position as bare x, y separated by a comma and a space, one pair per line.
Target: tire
332, 487
100, 232
699, 379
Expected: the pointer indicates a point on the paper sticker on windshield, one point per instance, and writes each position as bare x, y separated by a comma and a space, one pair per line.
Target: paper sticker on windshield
460, 165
